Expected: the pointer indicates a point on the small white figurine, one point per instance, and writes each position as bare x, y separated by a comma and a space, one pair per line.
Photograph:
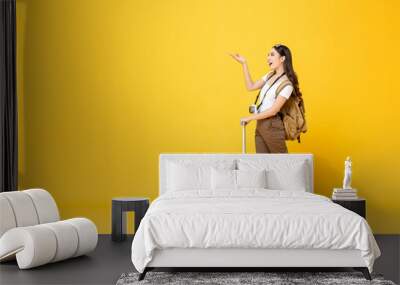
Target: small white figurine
347, 174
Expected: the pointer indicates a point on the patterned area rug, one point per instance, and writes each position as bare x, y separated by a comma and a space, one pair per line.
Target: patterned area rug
231, 278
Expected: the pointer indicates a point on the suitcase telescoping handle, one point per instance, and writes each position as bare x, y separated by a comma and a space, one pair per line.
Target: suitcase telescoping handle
243, 137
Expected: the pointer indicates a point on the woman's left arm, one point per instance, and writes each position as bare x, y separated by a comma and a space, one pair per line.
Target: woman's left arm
270, 112
275, 108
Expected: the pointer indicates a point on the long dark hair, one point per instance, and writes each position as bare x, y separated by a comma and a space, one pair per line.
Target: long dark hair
288, 67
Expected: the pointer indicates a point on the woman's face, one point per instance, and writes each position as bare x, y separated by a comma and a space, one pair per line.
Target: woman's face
274, 59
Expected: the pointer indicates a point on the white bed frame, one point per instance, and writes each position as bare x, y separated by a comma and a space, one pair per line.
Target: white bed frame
246, 257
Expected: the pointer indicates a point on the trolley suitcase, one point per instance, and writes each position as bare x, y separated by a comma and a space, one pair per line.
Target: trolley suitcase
243, 137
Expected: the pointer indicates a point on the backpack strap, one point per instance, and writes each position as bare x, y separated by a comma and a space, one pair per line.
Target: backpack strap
269, 75
282, 85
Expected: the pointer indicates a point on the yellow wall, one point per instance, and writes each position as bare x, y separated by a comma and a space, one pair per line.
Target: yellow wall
105, 86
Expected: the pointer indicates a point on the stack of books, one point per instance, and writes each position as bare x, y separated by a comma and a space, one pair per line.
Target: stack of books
344, 194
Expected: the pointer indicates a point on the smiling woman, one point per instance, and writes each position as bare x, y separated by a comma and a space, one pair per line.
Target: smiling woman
276, 88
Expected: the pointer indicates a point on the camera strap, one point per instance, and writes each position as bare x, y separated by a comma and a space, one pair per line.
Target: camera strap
265, 94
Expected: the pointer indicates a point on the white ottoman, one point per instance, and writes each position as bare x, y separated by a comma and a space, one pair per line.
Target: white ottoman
31, 232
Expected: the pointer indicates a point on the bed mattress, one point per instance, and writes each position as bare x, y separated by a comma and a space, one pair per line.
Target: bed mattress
250, 219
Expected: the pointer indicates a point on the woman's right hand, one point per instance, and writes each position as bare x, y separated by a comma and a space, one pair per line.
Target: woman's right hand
238, 58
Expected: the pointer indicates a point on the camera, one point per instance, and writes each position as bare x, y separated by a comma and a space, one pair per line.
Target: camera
253, 109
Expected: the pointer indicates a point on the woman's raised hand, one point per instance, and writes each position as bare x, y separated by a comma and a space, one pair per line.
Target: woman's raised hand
238, 58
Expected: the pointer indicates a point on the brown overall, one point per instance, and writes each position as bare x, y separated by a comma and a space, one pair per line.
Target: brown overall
270, 135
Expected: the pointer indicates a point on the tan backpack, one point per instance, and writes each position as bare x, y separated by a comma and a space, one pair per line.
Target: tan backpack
292, 114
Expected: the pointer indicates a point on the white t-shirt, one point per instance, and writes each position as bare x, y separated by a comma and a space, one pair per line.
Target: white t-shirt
269, 99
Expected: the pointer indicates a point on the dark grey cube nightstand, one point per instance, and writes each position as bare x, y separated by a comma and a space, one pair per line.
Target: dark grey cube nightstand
357, 205
119, 208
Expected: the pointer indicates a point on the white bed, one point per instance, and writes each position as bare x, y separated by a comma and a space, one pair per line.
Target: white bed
274, 228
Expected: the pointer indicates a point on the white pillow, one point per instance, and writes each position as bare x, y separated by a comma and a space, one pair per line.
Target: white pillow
185, 177
290, 179
192, 174
281, 174
251, 178
223, 179
237, 179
